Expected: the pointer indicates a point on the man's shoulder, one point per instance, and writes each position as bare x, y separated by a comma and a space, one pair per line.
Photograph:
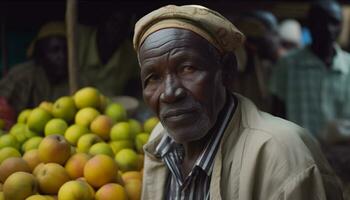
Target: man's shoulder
274, 133
23, 69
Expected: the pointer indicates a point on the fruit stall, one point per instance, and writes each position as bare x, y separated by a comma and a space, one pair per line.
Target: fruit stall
79, 147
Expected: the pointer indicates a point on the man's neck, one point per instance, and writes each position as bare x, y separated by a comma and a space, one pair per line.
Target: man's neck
194, 149
325, 53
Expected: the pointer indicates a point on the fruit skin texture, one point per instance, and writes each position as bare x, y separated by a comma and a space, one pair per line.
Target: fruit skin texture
23, 116
32, 158
20, 185
74, 132
38, 119
54, 148
64, 108
127, 160
9, 140
121, 144
32, 143
40, 197
101, 126
85, 116
86, 141
75, 165
111, 191
133, 188
12, 165
55, 126
149, 124
116, 111
100, 170
51, 177
121, 131
76, 190
87, 97
8, 152
101, 148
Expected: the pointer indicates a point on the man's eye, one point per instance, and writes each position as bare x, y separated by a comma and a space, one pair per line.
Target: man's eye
188, 69
152, 78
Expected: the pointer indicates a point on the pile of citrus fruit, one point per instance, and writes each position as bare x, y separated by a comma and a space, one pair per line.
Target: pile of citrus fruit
79, 147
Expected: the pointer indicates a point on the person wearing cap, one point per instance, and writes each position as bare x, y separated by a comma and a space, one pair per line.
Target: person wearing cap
260, 51
212, 143
290, 32
311, 85
44, 77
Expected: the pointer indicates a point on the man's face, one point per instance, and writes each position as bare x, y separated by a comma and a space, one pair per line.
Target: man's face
54, 56
325, 25
182, 82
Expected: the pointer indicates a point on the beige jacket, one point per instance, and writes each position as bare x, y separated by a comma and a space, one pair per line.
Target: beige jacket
260, 157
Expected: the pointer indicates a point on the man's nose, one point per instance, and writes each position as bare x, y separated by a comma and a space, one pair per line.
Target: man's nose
173, 90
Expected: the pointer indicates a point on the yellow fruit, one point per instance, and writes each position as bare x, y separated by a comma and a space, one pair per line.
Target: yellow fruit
87, 97
131, 175
32, 158
101, 126
140, 140
38, 119
64, 108
133, 188
46, 106
37, 168
8, 152
56, 126
135, 126
121, 131
18, 130
20, 185
127, 160
12, 165
86, 141
75, 190
100, 170
116, 111
75, 165
23, 116
85, 116
121, 144
54, 148
32, 143
40, 197
74, 132
51, 177
111, 191
101, 148
9, 140
149, 124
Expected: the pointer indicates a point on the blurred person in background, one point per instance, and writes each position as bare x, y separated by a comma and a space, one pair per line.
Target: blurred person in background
261, 49
311, 86
44, 77
290, 34
107, 59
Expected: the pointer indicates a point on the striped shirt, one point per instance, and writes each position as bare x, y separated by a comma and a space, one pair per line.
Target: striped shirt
314, 94
196, 184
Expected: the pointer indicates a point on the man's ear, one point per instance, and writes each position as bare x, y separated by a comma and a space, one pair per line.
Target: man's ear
229, 69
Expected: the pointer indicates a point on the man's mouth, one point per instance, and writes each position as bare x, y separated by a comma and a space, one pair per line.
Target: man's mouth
178, 114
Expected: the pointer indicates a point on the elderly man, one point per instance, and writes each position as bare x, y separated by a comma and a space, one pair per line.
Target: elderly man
211, 143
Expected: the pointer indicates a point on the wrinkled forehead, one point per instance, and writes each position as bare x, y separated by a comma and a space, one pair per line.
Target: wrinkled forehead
167, 39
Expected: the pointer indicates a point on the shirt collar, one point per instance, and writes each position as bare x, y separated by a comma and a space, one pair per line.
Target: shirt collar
205, 160
339, 62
